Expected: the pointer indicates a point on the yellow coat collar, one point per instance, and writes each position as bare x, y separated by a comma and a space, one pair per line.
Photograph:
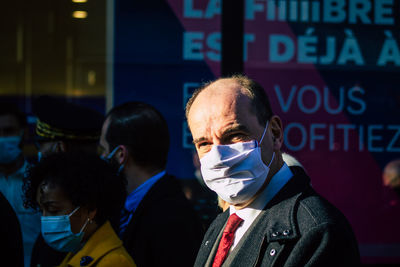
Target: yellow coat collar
99, 244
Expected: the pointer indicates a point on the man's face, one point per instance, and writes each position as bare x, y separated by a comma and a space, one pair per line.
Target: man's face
9, 126
221, 115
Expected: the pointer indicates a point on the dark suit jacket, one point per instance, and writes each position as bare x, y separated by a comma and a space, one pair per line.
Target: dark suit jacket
11, 252
296, 228
164, 229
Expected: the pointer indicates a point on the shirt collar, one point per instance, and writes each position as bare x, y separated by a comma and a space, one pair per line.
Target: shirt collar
275, 185
134, 198
22, 170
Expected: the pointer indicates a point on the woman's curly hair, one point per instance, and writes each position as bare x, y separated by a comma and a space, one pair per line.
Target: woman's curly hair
86, 180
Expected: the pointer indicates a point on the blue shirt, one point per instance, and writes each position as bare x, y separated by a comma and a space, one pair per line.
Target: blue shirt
29, 219
133, 200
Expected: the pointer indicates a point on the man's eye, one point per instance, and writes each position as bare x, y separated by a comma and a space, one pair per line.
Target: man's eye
204, 147
203, 144
238, 137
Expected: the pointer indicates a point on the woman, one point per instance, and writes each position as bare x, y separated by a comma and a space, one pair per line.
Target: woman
81, 199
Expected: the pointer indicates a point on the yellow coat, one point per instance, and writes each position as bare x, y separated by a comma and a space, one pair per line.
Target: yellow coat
103, 249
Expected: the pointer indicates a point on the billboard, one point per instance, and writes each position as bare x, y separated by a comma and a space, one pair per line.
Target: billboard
329, 67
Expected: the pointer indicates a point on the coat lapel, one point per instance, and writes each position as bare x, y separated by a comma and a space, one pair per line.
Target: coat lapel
266, 229
211, 240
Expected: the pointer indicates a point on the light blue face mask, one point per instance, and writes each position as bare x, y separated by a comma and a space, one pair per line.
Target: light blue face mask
109, 157
56, 231
9, 148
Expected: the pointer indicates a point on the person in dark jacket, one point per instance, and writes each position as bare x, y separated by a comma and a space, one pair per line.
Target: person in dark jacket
275, 218
158, 225
11, 253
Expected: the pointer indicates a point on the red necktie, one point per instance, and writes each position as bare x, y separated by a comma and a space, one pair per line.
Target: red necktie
227, 239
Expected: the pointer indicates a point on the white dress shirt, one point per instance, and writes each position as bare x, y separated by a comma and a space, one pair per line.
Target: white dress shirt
250, 213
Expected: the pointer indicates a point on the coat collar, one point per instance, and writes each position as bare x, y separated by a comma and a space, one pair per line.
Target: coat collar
164, 187
282, 207
275, 223
100, 243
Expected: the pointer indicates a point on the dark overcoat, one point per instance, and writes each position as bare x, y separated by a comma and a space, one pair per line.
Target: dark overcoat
297, 228
164, 229
12, 253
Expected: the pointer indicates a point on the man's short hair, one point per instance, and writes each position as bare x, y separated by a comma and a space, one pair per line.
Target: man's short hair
260, 105
143, 130
13, 110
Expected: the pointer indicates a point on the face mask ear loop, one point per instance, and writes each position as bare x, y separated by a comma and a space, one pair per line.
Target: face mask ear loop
265, 130
72, 213
112, 153
273, 155
83, 227
121, 168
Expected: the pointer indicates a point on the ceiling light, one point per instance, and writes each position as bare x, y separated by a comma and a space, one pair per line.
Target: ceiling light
79, 14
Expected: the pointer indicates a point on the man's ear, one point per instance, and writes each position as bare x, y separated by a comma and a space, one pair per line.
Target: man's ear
277, 132
122, 154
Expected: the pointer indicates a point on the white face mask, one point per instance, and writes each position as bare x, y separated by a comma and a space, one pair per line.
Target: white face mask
235, 172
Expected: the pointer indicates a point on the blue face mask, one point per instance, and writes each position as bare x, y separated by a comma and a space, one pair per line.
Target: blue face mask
56, 231
9, 149
109, 157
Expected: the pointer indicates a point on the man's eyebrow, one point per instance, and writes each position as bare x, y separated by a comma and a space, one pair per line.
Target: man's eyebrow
234, 129
198, 140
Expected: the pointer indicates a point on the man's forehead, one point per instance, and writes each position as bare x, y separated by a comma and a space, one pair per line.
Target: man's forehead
228, 86
221, 107
221, 91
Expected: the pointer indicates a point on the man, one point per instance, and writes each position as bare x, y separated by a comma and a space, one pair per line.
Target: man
158, 225
11, 239
62, 127
275, 217
391, 176
12, 169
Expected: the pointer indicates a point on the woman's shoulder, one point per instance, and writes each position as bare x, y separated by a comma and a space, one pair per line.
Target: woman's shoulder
116, 257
